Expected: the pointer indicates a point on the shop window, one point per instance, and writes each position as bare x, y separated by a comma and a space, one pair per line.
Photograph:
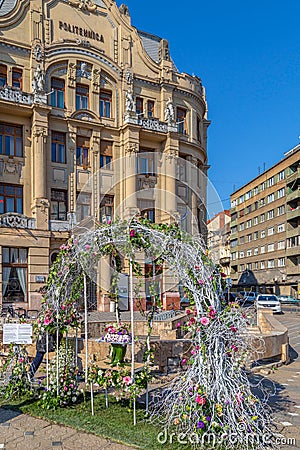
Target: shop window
57, 96
3, 75
11, 198
11, 140
106, 155
82, 151
14, 274
82, 96
17, 78
59, 205
58, 147
105, 104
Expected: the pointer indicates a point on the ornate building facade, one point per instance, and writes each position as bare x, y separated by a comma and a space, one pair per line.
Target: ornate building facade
95, 120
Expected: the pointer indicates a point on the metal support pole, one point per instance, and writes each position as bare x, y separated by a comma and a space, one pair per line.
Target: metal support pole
47, 359
92, 399
85, 327
132, 335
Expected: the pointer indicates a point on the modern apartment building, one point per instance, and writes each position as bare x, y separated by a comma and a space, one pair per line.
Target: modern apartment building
218, 240
265, 231
95, 120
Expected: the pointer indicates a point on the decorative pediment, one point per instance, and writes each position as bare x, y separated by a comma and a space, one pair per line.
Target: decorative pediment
82, 114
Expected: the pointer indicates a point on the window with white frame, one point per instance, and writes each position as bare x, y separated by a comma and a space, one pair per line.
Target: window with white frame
280, 210
255, 235
255, 220
262, 264
249, 237
270, 198
242, 267
255, 190
281, 228
280, 193
248, 266
281, 245
255, 265
270, 231
262, 218
242, 254
271, 264
262, 249
249, 252
270, 182
270, 247
263, 233
255, 252
248, 223
270, 214
281, 175
242, 226
281, 262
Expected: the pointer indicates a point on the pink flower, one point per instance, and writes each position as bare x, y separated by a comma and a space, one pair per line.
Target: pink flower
188, 311
212, 312
234, 329
200, 400
183, 362
46, 321
21, 360
178, 325
201, 281
132, 233
223, 275
204, 320
192, 321
108, 222
87, 246
127, 380
65, 388
239, 397
234, 348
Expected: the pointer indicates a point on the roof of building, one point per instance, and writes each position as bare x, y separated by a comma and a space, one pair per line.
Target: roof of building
287, 155
151, 45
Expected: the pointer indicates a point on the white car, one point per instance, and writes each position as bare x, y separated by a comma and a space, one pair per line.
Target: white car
269, 301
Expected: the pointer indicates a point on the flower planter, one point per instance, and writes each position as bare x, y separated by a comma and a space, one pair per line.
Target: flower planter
117, 353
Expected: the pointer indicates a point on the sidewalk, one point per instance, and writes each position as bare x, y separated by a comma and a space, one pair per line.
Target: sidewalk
21, 431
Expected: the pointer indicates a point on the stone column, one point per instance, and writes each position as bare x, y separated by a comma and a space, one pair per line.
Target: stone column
170, 161
130, 201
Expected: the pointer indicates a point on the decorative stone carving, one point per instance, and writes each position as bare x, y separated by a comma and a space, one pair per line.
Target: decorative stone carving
17, 96
129, 77
37, 52
83, 42
83, 71
124, 10
40, 132
129, 105
96, 80
84, 5
132, 148
146, 182
169, 112
72, 74
38, 82
11, 168
14, 220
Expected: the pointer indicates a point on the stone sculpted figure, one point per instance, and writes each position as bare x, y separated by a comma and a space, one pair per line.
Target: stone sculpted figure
129, 101
38, 82
169, 112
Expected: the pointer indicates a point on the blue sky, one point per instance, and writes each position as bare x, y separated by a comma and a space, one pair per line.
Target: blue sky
247, 54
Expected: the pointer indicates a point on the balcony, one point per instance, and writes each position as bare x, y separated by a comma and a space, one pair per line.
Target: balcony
16, 96
292, 232
293, 214
59, 225
149, 123
293, 195
293, 270
225, 261
146, 181
293, 177
15, 220
293, 251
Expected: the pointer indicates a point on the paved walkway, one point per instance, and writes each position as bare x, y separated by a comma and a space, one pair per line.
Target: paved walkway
21, 431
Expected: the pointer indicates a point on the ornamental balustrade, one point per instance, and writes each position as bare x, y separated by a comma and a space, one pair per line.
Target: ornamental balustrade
16, 96
14, 220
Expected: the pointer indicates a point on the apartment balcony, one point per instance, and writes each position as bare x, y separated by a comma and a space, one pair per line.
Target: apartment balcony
59, 225
293, 251
293, 195
292, 270
293, 214
293, 177
233, 223
292, 232
15, 220
225, 261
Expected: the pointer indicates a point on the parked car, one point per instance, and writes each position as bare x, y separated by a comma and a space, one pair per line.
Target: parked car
269, 301
288, 300
250, 297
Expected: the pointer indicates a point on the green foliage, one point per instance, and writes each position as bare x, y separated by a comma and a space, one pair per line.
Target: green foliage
15, 370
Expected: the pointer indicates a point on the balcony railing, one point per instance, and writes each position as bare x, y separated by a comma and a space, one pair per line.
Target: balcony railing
293, 195
293, 214
293, 251
293, 176
15, 220
153, 124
